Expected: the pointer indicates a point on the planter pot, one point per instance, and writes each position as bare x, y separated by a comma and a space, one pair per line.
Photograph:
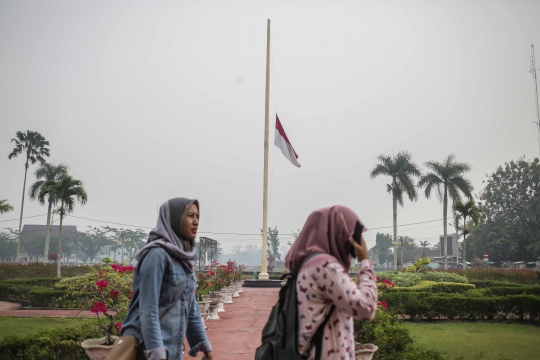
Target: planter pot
213, 312
96, 348
214, 299
365, 352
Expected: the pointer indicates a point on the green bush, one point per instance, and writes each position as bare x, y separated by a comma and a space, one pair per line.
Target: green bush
401, 279
57, 344
519, 276
38, 296
440, 276
40, 270
435, 287
47, 282
428, 306
480, 284
387, 332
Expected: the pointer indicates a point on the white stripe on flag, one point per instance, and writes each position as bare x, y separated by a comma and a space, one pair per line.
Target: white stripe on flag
283, 143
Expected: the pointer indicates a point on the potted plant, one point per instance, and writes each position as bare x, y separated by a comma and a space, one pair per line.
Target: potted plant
107, 292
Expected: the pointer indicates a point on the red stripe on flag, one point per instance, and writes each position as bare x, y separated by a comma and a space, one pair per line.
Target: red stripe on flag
279, 128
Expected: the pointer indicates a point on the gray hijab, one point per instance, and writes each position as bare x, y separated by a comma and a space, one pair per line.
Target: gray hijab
167, 233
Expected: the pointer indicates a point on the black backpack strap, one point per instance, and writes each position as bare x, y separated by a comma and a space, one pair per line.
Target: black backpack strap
316, 340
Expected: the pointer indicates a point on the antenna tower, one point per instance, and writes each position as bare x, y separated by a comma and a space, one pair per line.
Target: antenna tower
533, 72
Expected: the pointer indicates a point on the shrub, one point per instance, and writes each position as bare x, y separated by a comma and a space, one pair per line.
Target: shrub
436, 287
56, 344
47, 282
401, 279
440, 276
512, 275
480, 284
387, 332
35, 270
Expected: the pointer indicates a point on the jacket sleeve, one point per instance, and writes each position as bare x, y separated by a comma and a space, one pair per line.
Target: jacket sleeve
358, 300
151, 278
196, 335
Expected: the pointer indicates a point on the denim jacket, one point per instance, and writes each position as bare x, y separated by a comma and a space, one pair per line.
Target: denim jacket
158, 281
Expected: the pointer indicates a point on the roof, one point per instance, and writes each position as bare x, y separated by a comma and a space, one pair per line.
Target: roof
42, 229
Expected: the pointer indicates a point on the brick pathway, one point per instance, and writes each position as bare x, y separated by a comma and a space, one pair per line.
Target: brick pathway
238, 333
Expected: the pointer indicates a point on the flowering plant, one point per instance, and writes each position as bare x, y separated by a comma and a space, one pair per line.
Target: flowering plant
217, 276
107, 292
385, 284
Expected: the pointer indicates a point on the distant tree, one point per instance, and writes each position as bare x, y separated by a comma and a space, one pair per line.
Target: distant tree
66, 191
402, 170
464, 211
8, 244
447, 178
272, 241
92, 243
252, 249
33, 245
510, 213
237, 249
411, 252
5, 206
383, 247
424, 245
46, 172
138, 239
34, 146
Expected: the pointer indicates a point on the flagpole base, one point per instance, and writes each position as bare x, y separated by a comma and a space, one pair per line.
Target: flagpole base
263, 276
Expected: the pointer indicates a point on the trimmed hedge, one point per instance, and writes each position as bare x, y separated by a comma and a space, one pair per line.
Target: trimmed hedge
428, 306
38, 296
40, 270
56, 344
480, 284
434, 287
520, 276
512, 290
47, 282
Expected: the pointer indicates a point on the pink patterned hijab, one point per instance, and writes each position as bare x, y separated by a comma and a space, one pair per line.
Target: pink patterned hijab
327, 231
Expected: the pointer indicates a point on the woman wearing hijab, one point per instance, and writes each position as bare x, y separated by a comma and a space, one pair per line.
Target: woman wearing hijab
165, 279
321, 258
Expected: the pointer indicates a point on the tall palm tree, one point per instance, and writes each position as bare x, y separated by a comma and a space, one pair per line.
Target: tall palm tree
5, 206
66, 191
424, 244
401, 169
34, 146
44, 173
465, 210
447, 178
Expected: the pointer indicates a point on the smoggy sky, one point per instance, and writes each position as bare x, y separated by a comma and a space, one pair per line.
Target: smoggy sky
148, 100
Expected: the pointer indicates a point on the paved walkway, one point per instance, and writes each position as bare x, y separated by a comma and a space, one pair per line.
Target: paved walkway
238, 333
235, 336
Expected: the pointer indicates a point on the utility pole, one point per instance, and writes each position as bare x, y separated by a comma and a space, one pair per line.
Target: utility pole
533, 72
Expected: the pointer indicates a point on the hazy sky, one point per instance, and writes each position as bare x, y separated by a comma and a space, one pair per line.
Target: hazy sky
148, 100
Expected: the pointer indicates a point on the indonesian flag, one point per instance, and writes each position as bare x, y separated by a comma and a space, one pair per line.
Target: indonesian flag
283, 143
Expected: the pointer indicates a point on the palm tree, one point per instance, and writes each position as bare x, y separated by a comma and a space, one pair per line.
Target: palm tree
34, 146
44, 173
447, 177
465, 210
66, 190
401, 169
424, 244
5, 206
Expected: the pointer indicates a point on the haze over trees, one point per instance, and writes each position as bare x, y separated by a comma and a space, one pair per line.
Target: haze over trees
464, 211
510, 213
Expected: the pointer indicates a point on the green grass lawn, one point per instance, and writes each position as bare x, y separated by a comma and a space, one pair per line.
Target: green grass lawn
10, 326
470, 340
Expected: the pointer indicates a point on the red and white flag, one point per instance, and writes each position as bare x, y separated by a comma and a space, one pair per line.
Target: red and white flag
283, 143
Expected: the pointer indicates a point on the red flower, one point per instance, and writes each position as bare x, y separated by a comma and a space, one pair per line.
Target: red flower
99, 306
130, 295
102, 283
378, 278
118, 326
113, 293
383, 304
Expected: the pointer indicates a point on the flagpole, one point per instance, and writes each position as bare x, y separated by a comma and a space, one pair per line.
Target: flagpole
263, 275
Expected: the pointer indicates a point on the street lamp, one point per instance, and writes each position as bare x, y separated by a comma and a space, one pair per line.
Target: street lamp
122, 242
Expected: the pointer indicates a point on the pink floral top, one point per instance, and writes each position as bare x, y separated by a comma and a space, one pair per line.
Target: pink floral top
323, 281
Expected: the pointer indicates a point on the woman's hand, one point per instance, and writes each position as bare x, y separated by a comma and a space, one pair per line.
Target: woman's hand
360, 249
208, 355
